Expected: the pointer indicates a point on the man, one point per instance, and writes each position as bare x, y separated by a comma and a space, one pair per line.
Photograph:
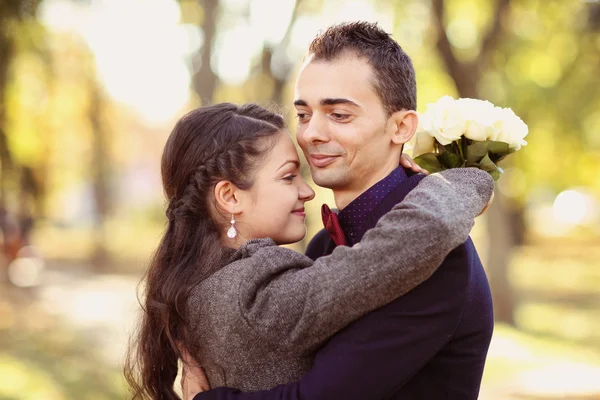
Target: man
356, 101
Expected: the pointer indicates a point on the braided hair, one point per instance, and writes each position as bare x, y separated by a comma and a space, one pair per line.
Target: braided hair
208, 145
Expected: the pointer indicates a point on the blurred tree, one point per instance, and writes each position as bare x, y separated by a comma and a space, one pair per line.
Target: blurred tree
16, 17
100, 162
82, 127
466, 76
205, 81
537, 59
274, 64
63, 114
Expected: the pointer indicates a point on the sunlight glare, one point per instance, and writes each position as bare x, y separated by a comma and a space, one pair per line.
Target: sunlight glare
462, 33
572, 207
561, 378
26, 271
139, 48
307, 27
234, 51
359, 11
271, 18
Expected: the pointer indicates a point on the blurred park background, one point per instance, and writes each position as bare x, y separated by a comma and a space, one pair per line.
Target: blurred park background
90, 89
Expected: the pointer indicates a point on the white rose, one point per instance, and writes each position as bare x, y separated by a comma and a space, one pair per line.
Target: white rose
480, 118
517, 128
422, 143
444, 120
510, 128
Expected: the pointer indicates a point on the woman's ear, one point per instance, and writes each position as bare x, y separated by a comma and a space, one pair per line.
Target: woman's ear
404, 124
226, 197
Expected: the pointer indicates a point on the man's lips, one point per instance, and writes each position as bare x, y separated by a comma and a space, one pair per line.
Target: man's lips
321, 160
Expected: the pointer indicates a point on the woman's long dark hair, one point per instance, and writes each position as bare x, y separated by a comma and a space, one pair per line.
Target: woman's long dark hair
208, 145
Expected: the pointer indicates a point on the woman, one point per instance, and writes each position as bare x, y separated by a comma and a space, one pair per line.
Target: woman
253, 312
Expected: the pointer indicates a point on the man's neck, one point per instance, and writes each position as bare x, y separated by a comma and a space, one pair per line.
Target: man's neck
345, 196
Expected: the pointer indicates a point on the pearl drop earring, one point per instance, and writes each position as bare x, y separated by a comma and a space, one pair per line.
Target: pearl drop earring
232, 233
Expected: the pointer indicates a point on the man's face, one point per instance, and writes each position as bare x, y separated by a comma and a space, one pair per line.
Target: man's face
342, 126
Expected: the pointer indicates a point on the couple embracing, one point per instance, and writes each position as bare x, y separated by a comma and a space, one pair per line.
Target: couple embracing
390, 300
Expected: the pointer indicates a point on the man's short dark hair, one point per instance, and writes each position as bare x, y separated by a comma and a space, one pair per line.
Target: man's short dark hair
395, 75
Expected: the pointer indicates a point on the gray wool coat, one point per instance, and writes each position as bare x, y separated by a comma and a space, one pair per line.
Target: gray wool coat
260, 319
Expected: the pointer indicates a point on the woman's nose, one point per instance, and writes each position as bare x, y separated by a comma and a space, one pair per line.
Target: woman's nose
306, 193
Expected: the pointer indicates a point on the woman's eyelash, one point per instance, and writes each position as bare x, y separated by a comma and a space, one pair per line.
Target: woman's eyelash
290, 177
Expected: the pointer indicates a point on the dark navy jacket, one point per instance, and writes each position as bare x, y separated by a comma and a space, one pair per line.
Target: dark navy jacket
426, 345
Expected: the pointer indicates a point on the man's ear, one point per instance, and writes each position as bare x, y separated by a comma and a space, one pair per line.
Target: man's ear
227, 197
402, 125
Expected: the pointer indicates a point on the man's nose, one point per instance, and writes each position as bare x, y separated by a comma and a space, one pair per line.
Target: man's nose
316, 130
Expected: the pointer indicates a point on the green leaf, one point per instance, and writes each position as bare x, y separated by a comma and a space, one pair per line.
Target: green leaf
450, 160
476, 151
489, 166
486, 163
464, 143
439, 147
495, 174
499, 148
430, 162
496, 158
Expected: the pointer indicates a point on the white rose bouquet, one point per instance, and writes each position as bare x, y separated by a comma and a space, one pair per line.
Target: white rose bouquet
466, 133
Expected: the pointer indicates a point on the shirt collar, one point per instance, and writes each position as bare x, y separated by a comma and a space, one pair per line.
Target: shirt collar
353, 215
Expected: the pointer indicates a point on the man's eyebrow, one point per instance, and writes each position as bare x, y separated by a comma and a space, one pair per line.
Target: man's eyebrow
295, 162
333, 102
300, 103
327, 102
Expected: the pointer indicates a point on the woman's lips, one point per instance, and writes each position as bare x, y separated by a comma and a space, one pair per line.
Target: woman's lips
300, 212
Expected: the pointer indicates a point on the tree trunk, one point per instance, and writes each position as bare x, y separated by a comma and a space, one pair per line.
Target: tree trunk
6, 51
10, 11
286, 66
501, 228
205, 80
501, 243
278, 81
99, 167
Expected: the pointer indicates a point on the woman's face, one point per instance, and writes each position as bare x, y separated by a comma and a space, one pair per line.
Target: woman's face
274, 206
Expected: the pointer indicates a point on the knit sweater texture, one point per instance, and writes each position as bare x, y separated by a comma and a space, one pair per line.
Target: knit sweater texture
260, 319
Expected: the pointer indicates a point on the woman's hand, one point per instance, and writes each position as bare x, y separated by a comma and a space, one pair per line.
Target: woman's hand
193, 378
489, 203
409, 163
